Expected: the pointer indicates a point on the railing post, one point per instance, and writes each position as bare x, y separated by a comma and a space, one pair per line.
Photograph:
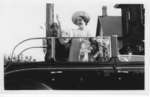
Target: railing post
50, 54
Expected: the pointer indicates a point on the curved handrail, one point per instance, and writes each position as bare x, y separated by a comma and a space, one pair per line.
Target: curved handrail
30, 48
26, 50
36, 38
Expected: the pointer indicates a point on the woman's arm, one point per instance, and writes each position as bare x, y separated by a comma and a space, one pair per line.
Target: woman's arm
59, 26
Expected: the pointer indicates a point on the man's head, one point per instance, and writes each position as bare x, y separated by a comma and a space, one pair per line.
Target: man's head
54, 29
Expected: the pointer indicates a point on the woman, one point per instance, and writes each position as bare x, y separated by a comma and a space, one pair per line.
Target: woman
81, 19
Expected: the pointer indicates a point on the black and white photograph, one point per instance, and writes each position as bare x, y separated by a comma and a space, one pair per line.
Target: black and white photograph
73, 45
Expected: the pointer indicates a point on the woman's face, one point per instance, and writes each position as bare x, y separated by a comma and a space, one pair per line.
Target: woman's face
80, 22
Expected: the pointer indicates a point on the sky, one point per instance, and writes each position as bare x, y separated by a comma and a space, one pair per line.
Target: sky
22, 19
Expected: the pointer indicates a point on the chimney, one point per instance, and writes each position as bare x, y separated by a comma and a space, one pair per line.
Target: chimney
104, 11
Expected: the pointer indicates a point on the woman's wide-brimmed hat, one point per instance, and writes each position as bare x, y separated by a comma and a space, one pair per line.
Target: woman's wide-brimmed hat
80, 14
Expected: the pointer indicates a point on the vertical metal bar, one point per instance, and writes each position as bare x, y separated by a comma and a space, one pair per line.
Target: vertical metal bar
114, 46
49, 22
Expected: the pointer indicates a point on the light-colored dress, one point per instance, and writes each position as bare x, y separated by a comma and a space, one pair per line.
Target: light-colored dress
76, 43
80, 33
77, 33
